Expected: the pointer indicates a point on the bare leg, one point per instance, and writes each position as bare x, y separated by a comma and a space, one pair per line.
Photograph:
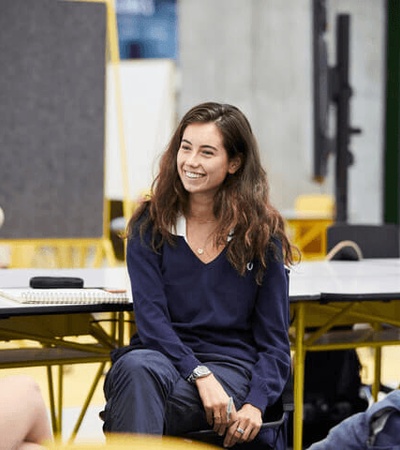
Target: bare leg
24, 423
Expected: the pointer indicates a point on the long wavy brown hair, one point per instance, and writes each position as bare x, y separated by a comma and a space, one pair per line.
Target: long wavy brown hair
241, 204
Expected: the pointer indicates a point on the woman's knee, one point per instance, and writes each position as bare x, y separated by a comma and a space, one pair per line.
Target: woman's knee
21, 385
141, 367
139, 381
142, 360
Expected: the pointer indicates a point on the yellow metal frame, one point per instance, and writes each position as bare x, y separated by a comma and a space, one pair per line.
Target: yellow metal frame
65, 252
321, 317
61, 253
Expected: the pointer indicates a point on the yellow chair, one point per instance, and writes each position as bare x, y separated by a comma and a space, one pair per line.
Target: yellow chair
313, 214
137, 442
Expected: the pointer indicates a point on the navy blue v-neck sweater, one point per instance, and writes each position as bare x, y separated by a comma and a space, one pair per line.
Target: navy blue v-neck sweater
185, 308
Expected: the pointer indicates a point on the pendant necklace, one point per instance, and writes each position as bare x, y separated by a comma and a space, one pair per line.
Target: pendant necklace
202, 249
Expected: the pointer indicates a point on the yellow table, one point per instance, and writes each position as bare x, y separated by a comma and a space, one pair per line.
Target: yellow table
56, 335
327, 294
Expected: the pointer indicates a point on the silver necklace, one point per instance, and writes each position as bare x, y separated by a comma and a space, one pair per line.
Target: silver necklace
201, 250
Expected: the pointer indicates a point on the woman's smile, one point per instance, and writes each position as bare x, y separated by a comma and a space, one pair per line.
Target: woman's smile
193, 175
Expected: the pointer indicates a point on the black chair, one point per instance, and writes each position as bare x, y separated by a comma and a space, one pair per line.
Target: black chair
374, 241
275, 418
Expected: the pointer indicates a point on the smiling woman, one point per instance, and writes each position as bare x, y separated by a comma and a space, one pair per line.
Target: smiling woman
206, 257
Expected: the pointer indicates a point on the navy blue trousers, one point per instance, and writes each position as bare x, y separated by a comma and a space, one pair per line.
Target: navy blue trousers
146, 394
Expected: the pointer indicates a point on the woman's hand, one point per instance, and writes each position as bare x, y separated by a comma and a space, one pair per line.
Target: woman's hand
245, 428
215, 401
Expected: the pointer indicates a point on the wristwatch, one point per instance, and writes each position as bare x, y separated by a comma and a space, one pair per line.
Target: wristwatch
199, 372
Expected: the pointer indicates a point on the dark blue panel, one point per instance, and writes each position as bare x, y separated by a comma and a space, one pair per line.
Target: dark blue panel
147, 28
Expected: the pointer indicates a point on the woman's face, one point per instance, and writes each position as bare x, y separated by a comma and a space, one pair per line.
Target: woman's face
202, 160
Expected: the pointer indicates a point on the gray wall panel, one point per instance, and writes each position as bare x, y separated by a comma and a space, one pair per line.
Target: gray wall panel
52, 112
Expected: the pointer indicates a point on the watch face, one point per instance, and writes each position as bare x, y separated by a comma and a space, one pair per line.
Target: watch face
201, 371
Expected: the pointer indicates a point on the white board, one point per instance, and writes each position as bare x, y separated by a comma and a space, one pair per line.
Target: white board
149, 118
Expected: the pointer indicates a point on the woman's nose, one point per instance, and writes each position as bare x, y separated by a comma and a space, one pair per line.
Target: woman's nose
193, 159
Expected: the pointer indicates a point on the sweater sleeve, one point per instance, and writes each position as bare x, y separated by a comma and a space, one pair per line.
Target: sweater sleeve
150, 305
270, 330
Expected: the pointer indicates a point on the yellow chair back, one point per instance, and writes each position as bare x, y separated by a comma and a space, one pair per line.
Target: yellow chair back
315, 203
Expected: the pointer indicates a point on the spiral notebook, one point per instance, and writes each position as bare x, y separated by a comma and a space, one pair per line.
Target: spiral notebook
64, 296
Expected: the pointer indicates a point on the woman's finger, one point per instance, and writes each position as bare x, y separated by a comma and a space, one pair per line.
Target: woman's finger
219, 426
209, 416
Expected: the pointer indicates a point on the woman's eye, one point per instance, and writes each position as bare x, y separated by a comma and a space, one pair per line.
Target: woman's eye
185, 147
208, 152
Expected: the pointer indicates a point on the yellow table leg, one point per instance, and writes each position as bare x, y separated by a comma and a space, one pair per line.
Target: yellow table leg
299, 362
377, 368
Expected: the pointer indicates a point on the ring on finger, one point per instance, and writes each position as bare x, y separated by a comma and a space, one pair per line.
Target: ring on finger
240, 430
